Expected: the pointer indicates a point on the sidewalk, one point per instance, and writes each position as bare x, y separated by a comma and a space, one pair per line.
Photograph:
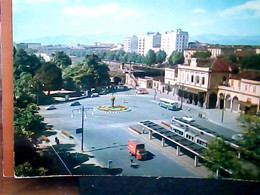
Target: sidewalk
212, 115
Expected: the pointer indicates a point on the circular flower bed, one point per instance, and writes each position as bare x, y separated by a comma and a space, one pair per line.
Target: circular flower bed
116, 108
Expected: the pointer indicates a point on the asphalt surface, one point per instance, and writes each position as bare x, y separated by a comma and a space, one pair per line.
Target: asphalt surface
106, 134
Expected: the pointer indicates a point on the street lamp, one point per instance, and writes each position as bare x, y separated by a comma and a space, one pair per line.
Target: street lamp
83, 111
222, 116
181, 85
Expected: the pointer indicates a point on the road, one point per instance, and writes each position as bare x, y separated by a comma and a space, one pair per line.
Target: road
106, 134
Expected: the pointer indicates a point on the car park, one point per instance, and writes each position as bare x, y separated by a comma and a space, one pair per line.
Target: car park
75, 104
51, 107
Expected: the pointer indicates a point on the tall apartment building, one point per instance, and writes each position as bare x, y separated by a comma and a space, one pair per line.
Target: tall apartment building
174, 41
149, 41
131, 44
141, 45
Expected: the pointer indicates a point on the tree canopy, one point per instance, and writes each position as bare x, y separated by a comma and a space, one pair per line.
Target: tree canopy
61, 59
202, 54
84, 76
50, 76
242, 162
176, 58
251, 62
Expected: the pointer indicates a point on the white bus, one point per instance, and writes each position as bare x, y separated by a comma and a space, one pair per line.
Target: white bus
168, 104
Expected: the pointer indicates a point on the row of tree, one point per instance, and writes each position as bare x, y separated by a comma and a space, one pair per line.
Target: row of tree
149, 59
33, 76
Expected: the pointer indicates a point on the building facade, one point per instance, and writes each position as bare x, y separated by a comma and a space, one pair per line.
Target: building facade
131, 44
174, 41
197, 83
149, 41
242, 94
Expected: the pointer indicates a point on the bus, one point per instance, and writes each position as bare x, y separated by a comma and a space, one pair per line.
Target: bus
168, 104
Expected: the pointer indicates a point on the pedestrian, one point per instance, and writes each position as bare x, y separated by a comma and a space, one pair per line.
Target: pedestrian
56, 140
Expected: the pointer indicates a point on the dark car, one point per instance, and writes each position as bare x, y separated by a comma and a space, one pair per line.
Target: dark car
51, 108
75, 104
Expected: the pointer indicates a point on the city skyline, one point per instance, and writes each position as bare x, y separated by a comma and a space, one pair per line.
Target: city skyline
33, 19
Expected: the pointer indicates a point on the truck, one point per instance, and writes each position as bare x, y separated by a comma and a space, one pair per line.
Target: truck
136, 148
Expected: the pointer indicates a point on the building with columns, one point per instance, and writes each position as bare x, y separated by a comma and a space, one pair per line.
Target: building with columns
197, 83
241, 94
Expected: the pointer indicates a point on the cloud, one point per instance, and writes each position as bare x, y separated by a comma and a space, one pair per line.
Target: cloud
111, 9
248, 9
198, 11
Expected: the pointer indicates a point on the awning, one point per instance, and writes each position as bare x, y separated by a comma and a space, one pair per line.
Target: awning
191, 90
246, 104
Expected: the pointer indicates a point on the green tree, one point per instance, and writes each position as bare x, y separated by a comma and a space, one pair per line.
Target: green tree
49, 75
25, 63
202, 54
251, 62
61, 59
219, 155
232, 57
150, 57
176, 58
160, 56
84, 76
26, 169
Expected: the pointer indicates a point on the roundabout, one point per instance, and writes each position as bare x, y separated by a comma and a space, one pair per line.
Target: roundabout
116, 108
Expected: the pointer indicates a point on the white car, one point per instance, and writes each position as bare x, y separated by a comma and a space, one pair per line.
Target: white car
188, 118
94, 95
236, 136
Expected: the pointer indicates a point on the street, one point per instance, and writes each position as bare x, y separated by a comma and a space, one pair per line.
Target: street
106, 134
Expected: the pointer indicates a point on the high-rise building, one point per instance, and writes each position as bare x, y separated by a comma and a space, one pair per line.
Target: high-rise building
131, 44
174, 41
149, 41
141, 44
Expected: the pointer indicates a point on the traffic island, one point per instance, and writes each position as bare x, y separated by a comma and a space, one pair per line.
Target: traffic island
113, 107
116, 108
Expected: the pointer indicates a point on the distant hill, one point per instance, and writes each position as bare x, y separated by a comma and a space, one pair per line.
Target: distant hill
84, 39
226, 40
118, 38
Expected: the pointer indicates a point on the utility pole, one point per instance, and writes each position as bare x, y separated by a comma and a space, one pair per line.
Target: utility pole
83, 111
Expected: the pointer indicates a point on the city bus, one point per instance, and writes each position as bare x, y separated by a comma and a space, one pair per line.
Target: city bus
168, 104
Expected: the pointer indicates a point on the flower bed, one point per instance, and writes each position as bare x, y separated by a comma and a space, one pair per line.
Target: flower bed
116, 108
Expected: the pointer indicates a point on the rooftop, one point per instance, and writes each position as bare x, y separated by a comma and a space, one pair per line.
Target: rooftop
249, 74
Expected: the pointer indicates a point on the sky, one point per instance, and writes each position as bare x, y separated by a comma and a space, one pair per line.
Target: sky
43, 18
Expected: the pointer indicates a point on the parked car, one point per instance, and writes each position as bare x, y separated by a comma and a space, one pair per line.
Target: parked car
75, 104
51, 107
94, 95
188, 118
236, 136
142, 91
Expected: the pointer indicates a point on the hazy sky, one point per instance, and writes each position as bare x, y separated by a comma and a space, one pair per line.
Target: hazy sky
39, 18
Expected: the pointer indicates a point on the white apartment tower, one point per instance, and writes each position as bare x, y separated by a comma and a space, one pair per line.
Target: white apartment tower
131, 44
149, 41
174, 41
141, 45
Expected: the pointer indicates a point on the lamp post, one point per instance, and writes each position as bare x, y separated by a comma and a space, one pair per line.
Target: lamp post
223, 109
83, 111
182, 93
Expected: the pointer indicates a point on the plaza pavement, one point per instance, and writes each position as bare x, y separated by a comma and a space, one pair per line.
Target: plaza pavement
212, 115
